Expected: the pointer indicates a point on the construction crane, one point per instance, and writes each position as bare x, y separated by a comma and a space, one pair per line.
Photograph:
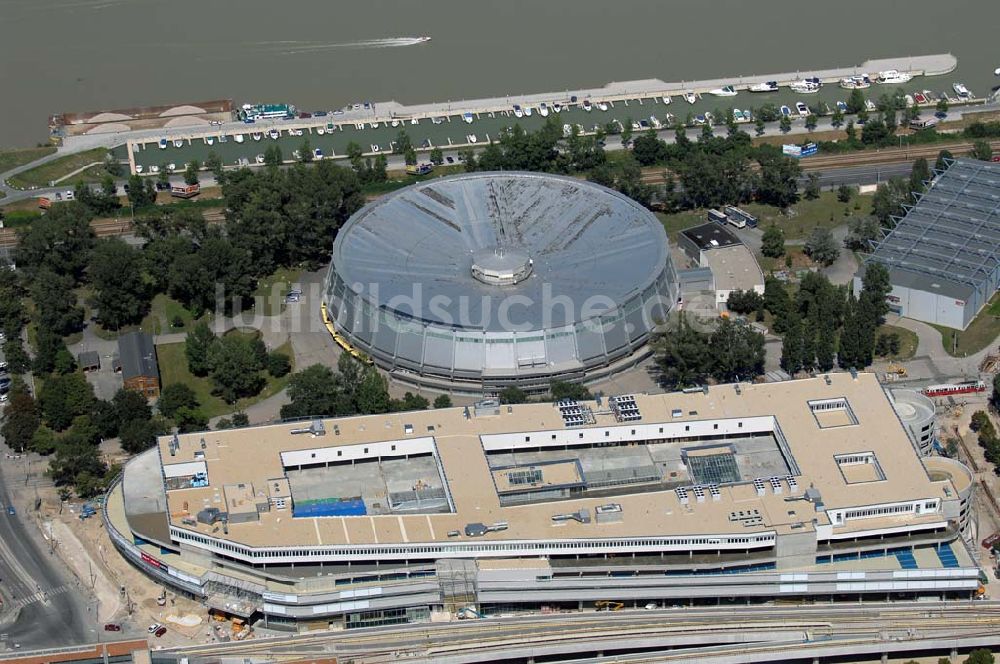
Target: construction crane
608, 605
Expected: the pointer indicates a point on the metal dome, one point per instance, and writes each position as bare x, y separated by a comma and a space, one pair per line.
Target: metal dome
500, 278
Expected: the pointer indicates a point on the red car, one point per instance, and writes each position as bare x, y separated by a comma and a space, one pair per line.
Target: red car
112, 627
991, 540
160, 632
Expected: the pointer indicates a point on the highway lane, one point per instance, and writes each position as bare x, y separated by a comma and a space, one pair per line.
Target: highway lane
43, 606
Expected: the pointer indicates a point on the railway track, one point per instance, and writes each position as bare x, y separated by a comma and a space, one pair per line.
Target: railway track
657, 174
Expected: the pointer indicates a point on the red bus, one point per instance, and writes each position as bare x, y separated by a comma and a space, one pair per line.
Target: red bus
956, 388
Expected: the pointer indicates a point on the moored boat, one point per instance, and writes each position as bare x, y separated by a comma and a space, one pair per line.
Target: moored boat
602, 105
178, 143
806, 86
961, 90
317, 153
543, 110
518, 112
587, 106
528, 111
665, 99
468, 117
724, 91
690, 97
557, 107
785, 111
256, 136
855, 83
259, 159
238, 138
893, 76
767, 86
163, 144
171, 167
842, 106
870, 106
802, 108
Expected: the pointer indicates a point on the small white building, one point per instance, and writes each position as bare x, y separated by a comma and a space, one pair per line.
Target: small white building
731, 262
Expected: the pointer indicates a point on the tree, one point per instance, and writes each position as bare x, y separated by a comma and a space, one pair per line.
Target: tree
191, 172
825, 347
137, 435
163, 177
213, 163
410, 401
436, 156
812, 189
682, 355
791, 346
278, 364
979, 656
51, 353
758, 124
994, 397
55, 301
442, 401
981, 150
875, 287
62, 244
785, 124
175, 396
139, 195
855, 101
919, 174
121, 295
889, 199
942, 107
821, 247
513, 395
736, 351
564, 389
862, 232
773, 242
627, 133
844, 193
314, 391
236, 365
943, 158
21, 419
744, 302
130, 405
373, 393
64, 397
852, 133
305, 152
197, 348
811, 121
77, 463
648, 149
837, 118
779, 175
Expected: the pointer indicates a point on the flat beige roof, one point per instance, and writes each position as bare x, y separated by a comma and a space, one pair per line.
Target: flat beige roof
734, 268
252, 456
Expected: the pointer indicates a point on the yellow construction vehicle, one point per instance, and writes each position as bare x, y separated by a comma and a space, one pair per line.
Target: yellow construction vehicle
897, 369
608, 605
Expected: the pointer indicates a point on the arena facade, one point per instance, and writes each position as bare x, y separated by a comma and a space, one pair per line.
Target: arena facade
485, 280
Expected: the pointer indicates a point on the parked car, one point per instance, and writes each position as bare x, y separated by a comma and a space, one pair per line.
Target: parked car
160, 632
112, 627
11, 511
155, 626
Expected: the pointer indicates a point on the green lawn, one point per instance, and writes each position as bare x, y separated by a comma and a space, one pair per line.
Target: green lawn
907, 340
799, 221
174, 369
982, 331
805, 215
162, 313
53, 170
13, 158
271, 290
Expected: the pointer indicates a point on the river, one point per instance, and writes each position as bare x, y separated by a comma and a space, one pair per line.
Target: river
79, 55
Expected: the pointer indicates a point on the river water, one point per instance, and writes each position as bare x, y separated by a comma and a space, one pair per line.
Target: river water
78, 55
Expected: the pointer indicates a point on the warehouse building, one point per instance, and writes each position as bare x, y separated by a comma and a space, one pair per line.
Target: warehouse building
731, 263
798, 490
943, 256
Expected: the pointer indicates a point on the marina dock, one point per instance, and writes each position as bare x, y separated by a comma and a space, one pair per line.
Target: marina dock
375, 126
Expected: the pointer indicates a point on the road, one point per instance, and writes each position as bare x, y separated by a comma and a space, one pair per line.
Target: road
43, 604
700, 633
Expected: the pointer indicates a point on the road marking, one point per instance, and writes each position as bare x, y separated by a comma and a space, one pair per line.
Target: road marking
319, 538
347, 536
431, 526
40, 596
402, 528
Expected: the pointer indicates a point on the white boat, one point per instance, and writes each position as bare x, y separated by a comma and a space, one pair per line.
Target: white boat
724, 91
296, 155
154, 169
320, 130
223, 138
468, 117
961, 90
238, 138
668, 119
374, 125
636, 126
806, 86
171, 167
543, 110
256, 136
208, 140
567, 130
178, 143
709, 118
395, 122
802, 108
909, 100
767, 86
437, 120
893, 76
557, 107
842, 106
414, 121
528, 111
259, 159
690, 97
375, 147
786, 112
163, 144
471, 138
665, 99
317, 153
655, 121
737, 115
870, 106
996, 72
587, 105
274, 134
138, 168
518, 112
602, 106
855, 83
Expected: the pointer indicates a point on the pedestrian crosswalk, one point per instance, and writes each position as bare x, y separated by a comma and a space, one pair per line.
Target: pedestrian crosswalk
40, 596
